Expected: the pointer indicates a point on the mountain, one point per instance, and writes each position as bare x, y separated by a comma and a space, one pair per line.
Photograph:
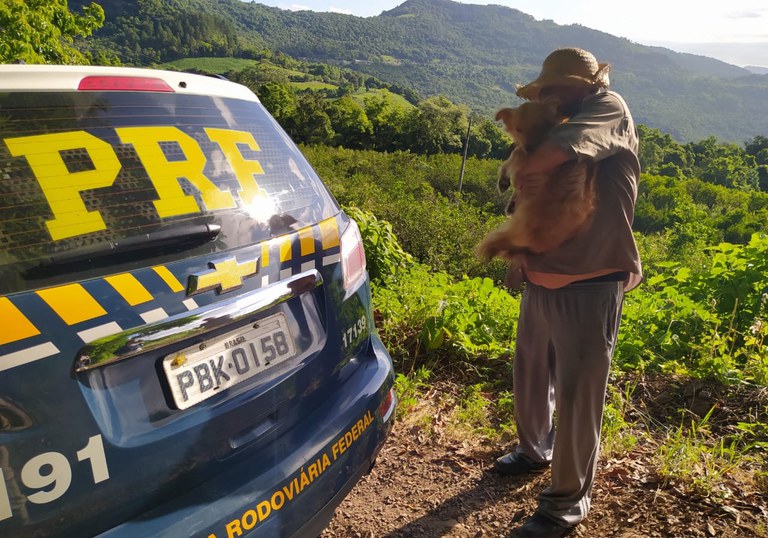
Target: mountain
757, 70
472, 54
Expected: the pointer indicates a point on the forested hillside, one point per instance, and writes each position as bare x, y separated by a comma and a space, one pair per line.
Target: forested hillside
474, 55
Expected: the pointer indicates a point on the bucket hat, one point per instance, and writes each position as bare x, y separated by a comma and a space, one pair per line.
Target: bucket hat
566, 67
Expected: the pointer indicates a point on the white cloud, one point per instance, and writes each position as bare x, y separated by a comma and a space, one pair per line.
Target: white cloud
744, 15
340, 10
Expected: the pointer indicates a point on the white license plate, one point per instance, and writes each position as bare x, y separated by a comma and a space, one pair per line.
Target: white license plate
204, 370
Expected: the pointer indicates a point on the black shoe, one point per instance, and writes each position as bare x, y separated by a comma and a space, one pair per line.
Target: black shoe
541, 526
514, 464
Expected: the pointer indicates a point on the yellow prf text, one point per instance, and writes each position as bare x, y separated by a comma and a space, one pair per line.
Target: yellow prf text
63, 188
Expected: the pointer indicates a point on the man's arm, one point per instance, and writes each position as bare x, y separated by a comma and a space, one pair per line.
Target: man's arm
545, 159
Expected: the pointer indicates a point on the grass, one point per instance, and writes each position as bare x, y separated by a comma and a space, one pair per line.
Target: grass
210, 65
393, 99
409, 388
618, 436
697, 457
313, 85
390, 60
691, 456
471, 414
214, 65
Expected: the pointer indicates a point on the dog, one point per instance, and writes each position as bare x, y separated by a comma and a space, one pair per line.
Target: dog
552, 207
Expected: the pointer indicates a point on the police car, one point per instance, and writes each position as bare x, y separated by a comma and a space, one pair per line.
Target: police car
187, 346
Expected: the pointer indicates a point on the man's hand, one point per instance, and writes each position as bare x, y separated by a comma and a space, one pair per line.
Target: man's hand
543, 160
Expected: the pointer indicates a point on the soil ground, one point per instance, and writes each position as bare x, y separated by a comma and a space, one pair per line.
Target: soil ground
428, 482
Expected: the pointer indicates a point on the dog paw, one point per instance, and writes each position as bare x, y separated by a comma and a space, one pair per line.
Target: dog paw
482, 252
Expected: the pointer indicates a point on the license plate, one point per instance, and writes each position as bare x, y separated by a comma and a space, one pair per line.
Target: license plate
204, 370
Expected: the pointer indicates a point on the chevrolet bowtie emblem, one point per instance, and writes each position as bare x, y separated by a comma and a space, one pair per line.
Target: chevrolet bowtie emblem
224, 276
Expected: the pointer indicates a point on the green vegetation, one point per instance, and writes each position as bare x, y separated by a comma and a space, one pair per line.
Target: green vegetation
43, 31
409, 388
618, 432
690, 455
701, 313
707, 324
210, 66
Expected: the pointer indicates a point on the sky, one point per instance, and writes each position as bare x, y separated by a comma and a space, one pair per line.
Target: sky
734, 31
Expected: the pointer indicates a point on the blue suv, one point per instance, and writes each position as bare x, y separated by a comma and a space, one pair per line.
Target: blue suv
187, 345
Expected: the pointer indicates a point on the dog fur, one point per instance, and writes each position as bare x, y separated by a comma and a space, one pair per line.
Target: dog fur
552, 208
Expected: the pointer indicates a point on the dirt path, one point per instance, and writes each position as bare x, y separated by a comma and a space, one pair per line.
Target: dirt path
433, 486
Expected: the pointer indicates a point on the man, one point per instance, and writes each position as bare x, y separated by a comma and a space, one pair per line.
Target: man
571, 304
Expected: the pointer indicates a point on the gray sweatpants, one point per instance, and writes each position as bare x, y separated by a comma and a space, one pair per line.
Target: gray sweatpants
565, 341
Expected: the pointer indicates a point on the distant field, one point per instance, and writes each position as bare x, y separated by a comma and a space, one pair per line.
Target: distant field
312, 85
391, 60
396, 100
210, 65
223, 65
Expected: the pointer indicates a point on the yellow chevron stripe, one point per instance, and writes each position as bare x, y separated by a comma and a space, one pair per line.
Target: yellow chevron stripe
265, 253
168, 278
307, 240
329, 233
72, 303
285, 248
14, 325
130, 288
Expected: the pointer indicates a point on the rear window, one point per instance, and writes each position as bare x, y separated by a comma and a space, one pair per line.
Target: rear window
84, 171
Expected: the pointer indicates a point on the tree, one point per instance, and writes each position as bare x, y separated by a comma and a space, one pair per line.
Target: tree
758, 148
43, 31
388, 121
438, 126
279, 100
352, 127
487, 140
312, 124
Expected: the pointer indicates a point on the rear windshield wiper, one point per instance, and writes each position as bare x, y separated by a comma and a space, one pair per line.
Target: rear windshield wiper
177, 236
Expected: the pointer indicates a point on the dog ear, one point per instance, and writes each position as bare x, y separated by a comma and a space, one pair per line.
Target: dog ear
505, 114
509, 117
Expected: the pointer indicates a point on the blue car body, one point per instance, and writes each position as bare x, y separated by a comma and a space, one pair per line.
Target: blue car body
187, 344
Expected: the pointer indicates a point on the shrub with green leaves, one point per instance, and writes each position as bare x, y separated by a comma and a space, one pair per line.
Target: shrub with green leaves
429, 317
428, 313
383, 253
709, 323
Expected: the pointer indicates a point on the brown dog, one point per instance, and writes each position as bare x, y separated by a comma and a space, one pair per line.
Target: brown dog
552, 208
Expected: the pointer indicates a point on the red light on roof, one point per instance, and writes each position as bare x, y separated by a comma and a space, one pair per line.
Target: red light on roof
124, 84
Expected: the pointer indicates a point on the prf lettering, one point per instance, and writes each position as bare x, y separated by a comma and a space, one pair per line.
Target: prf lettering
62, 188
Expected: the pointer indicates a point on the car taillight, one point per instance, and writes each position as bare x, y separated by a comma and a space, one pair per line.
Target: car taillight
386, 406
352, 256
130, 84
